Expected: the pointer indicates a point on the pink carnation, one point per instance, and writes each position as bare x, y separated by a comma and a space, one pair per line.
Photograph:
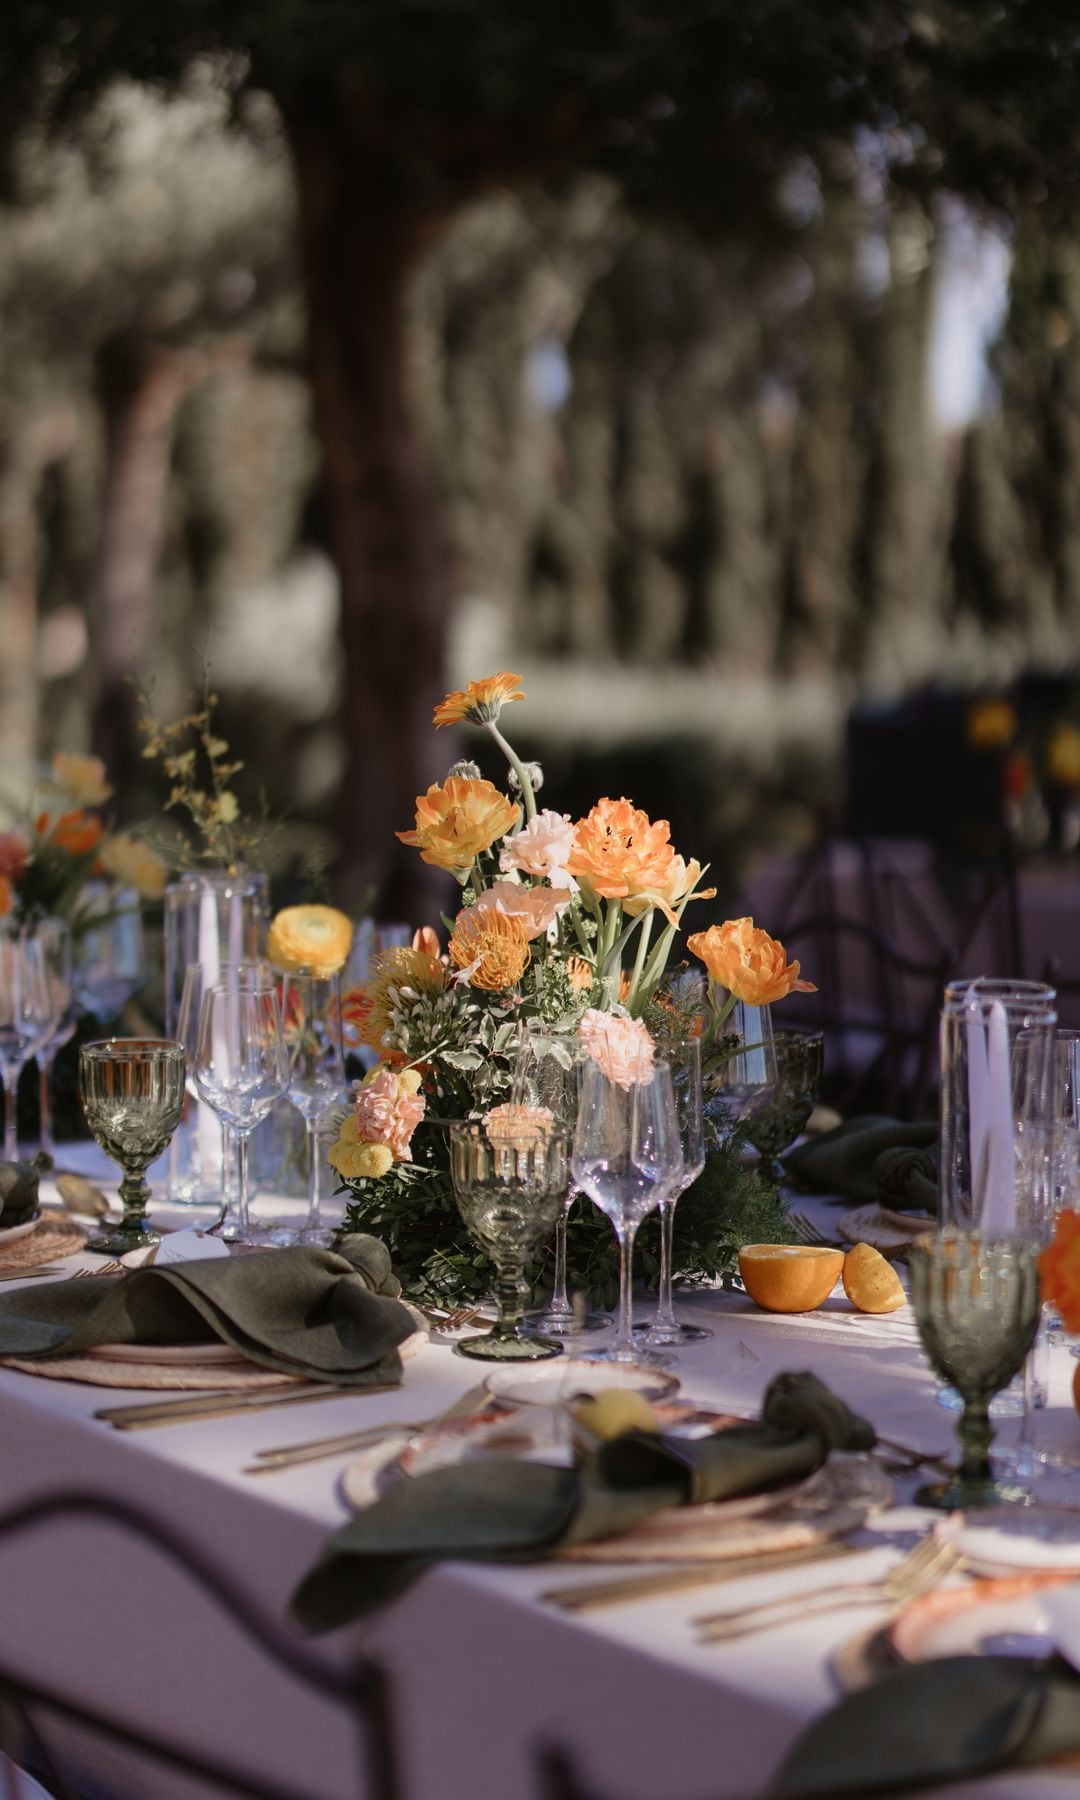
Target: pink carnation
386, 1113
542, 848
536, 907
621, 1047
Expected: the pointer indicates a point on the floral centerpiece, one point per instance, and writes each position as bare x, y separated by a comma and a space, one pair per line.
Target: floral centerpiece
62, 842
559, 920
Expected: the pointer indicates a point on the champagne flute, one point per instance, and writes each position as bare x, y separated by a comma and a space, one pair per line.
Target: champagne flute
199, 977
29, 1011
510, 1181
548, 1073
976, 1300
311, 1010
55, 938
132, 1092
628, 1158
241, 1069
684, 1057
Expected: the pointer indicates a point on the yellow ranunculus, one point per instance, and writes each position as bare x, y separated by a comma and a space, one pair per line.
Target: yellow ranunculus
1063, 755
133, 864
82, 778
360, 1162
315, 939
457, 820
989, 724
747, 962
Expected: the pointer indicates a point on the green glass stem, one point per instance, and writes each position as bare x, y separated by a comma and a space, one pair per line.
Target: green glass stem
975, 1433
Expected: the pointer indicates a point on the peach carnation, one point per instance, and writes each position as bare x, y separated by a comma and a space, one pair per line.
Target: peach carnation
542, 848
621, 1047
745, 960
388, 1110
536, 907
519, 1125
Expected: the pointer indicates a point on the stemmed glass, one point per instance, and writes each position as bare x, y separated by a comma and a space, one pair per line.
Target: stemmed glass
976, 1302
745, 1082
29, 1011
800, 1058
55, 938
241, 1069
132, 1092
684, 1058
548, 1073
628, 1158
110, 964
199, 978
510, 1182
311, 1009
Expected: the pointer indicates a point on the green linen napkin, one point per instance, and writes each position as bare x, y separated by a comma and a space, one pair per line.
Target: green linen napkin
935, 1723
18, 1192
872, 1158
300, 1312
520, 1511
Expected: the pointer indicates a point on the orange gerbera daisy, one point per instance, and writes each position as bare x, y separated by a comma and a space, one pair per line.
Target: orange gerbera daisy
458, 820
619, 853
481, 702
491, 949
747, 962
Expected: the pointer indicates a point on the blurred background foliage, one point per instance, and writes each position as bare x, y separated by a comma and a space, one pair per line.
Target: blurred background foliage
380, 347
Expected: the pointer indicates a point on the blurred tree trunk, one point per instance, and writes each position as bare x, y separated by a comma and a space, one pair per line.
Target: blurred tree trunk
141, 387
361, 240
27, 448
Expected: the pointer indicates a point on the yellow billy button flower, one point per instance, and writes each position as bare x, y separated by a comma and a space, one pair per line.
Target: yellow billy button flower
481, 702
457, 820
360, 1162
316, 939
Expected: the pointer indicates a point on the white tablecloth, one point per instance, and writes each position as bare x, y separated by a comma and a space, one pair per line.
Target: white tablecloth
482, 1669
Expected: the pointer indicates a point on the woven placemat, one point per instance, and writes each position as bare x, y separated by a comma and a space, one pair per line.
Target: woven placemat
52, 1238
150, 1375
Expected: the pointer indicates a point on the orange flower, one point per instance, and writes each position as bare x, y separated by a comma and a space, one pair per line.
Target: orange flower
580, 973
367, 1012
457, 820
491, 949
7, 896
76, 832
747, 962
316, 939
14, 854
1063, 755
989, 724
678, 889
1059, 1268
426, 938
480, 703
619, 854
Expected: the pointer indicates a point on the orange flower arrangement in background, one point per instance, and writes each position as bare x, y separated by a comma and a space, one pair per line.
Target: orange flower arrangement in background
750, 964
81, 778
457, 820
490, 948
1059, 1268
481, 702
7, 896
76, 832
315, 939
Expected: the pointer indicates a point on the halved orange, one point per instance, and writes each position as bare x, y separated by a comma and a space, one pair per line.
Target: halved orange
789, 1278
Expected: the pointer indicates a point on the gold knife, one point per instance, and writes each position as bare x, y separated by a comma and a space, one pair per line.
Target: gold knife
222, 1402
613, 1592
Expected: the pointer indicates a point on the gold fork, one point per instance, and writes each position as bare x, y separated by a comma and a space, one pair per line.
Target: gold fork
916, 1573
288, 1456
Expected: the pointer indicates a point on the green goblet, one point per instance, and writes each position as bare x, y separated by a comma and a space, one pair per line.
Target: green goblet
976, 1303
800, 1056
132, 1092
510, 1174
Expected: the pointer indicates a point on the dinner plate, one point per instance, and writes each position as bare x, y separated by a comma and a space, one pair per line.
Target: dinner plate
528, 1432
1001, 1540
998, 1616
186, 1355
10, 1234
571, 1376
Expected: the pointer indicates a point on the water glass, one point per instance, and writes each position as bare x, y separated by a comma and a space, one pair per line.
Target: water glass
311, 1016
684, 1059
29, 1014
241, 1068
510, 1186
132, 1093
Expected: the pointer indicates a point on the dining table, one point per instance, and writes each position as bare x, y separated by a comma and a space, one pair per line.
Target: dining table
484, 1669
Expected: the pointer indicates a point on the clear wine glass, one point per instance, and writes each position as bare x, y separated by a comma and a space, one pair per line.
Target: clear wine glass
311, 1013
627, 1158
29, 1012
111, 959
241, 1067
744, 1083
199, 977
548, 1073
684, 1058
55, 937
132, 1092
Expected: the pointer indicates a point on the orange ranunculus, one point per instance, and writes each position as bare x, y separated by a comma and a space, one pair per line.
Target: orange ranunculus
7, 896
747, 962
620, 854
81, 778
491, 949
1059, 1268
1063, 755
76, 832
481, 702
458, 820
990, 724
315, 939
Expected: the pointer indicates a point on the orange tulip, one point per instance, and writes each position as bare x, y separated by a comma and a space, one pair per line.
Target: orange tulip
76, 832
747, 962
458, 820
620, 854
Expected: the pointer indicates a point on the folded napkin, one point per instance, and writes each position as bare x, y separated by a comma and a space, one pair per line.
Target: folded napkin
520, 1511
934, 1723
18, 1193
869, 1159
300, 1312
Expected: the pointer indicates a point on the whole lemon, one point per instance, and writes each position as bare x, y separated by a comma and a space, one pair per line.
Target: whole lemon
615, 1410
871, 1283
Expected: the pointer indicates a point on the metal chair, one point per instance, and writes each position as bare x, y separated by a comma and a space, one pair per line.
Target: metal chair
361, 1688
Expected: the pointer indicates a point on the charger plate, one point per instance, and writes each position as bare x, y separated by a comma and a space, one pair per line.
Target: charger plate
10, 1234
41, 1240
